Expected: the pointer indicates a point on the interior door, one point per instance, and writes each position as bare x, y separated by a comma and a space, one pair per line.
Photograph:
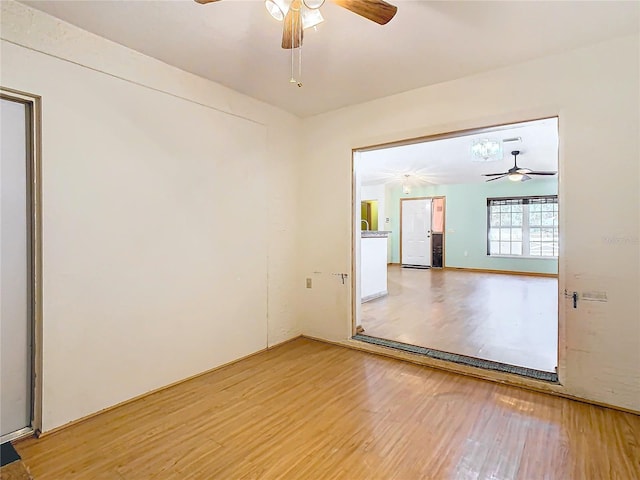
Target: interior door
15, 271
416, 232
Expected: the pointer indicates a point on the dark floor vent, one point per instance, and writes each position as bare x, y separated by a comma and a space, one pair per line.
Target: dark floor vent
8, 454
461, 359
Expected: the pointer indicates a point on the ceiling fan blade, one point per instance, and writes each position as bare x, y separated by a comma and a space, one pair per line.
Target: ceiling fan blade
377, 11
497, 178
204, 2
494, 174
292, 30
542, 173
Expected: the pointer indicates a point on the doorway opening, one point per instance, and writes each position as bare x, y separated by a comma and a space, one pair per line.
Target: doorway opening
418, 215
472, 240
20, 293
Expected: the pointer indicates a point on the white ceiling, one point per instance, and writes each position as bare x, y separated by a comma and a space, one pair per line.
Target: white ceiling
449, 160
349, 60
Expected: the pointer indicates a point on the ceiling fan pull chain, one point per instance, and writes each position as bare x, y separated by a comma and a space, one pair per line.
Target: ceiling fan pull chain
300, 65
292, 79
296, 58
300, 51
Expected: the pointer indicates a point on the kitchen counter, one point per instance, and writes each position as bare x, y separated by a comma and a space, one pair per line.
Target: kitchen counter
375, 233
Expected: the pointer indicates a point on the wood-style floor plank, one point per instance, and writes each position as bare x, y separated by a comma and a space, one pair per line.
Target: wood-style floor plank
509, 319
312, 410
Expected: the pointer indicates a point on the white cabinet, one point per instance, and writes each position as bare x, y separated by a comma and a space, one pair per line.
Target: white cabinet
373, 265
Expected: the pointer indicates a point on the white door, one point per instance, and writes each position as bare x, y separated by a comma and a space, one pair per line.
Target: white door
15, 272
416, 232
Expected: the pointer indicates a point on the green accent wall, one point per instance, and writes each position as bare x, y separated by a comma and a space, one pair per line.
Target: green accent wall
466, 222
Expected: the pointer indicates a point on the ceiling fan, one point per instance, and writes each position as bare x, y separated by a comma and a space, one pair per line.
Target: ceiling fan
301, 14
516, 173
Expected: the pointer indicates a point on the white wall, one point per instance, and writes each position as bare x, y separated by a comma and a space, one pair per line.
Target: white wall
168, 216
595, 93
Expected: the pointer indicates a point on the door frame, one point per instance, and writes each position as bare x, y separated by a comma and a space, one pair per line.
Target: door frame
34, 177
444, 225
492, 125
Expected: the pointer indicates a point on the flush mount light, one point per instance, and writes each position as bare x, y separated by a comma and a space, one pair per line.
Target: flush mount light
486, 149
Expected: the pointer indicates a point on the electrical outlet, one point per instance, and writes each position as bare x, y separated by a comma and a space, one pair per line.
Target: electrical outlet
308, 283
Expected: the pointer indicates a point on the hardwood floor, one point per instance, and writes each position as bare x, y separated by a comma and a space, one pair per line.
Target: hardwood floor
510, 319
312, 410
15, 471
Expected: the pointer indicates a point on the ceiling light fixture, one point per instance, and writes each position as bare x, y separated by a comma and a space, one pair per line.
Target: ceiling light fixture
516, 173
298, 15
309, 12
516, 177
276, 8
313, 4
294, 13
486, 149
406, 188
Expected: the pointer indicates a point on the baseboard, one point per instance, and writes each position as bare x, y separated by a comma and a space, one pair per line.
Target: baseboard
503, 272
487, 375
160, 389
373, 296
278, 344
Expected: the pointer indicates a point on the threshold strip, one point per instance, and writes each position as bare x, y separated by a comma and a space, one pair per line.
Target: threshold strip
461, 359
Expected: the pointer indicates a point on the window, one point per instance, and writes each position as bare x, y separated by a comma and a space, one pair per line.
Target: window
523, 226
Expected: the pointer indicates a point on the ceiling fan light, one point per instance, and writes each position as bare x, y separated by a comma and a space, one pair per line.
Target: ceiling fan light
313, 4
277, 8
311, 18
515, 177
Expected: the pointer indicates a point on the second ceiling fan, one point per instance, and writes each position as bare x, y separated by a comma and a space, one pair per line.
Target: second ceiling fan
516, 173
300, 14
